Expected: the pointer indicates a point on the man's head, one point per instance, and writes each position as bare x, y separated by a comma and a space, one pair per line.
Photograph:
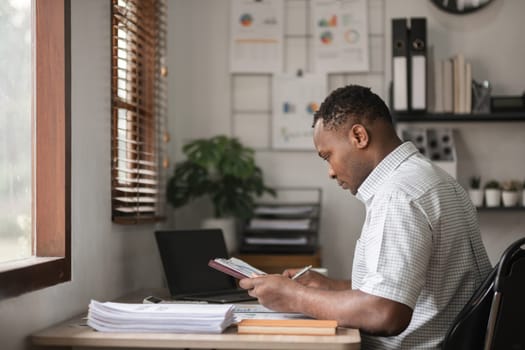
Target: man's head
353, 132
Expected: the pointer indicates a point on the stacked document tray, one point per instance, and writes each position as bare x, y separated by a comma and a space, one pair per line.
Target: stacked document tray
282, 228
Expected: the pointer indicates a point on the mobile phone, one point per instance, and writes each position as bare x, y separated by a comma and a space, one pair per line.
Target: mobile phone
152, 300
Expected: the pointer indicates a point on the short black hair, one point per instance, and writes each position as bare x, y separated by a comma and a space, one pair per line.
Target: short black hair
351, 101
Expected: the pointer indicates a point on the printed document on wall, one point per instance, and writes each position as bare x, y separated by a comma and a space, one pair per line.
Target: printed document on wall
340, 36
256, 38
295, 100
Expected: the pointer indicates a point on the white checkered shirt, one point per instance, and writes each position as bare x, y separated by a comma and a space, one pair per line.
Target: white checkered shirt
420, 245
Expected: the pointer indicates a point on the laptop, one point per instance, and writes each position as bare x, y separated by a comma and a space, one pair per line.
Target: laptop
185, 255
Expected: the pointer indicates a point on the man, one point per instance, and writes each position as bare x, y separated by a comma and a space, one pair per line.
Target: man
420, 255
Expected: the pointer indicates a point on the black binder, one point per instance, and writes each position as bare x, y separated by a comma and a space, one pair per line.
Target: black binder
400, 83
418, 64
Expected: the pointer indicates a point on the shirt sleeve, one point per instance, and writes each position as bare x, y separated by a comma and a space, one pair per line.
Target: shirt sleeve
397, 247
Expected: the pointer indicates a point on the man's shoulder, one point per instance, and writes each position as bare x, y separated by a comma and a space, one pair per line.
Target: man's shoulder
417, 179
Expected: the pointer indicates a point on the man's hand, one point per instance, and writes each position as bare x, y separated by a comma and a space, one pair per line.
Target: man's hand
276, 292
316, 280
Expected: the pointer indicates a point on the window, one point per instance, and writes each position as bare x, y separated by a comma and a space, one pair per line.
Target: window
138, 110
45, 259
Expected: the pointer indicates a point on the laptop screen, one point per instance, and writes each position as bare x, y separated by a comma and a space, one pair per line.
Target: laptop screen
185, 255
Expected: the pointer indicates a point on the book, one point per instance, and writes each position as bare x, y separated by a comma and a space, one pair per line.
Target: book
235, 267
459, 83
291, 326
448, 86
468, 87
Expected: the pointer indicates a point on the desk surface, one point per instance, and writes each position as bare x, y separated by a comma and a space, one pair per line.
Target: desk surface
74, 333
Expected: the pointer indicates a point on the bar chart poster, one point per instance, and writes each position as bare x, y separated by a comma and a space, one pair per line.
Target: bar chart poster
340, 33
256, 37
295, 100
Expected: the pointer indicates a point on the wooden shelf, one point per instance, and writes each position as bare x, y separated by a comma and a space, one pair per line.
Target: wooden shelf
501, 208
451, 117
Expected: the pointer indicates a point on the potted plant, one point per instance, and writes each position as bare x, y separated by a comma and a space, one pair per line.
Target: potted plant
509, 193
223, 170
492, 193
475, 192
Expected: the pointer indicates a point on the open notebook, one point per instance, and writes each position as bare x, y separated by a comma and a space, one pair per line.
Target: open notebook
185, 255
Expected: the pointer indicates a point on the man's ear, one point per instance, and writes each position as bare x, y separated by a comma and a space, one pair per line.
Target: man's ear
359, 136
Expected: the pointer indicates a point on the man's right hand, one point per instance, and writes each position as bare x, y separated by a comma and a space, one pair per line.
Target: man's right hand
310, 279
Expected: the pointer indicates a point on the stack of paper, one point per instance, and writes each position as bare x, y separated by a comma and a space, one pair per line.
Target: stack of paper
279, 224
160, 318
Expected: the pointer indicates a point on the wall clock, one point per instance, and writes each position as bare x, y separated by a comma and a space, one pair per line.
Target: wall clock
460, 7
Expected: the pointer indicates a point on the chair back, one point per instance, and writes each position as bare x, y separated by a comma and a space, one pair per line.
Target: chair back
506, 324
491, 319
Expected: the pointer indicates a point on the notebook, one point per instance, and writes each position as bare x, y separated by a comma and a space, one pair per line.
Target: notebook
185, 255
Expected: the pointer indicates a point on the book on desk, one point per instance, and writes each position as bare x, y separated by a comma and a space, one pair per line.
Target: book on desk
290, 326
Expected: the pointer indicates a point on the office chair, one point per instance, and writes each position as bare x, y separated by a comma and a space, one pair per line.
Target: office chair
494, 317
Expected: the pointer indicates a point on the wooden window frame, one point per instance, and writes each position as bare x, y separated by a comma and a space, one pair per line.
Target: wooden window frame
51, 210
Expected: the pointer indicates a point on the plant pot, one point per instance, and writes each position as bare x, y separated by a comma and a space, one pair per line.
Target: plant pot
492, 197
510, 198
476, 196
227, 225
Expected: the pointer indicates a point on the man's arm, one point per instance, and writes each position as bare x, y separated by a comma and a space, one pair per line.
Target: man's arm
351, 308
356, 309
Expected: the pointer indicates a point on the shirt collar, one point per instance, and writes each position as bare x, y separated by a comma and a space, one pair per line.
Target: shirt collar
383, 170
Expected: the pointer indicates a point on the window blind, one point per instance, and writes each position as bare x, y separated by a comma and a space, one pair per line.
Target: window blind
139, 104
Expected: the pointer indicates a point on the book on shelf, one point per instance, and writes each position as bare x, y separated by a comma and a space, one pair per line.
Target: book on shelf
447, 86
289, 326
468, 88
459, 83
160, 317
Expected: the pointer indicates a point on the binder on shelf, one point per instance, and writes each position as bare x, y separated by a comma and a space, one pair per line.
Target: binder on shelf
400, 65
418, 64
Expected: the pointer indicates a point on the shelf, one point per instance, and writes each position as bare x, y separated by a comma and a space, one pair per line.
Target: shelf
451, 117
501, 208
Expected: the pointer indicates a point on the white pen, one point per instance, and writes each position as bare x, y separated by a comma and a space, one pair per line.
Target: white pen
302, 272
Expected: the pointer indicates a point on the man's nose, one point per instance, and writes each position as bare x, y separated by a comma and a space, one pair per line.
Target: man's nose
331, 172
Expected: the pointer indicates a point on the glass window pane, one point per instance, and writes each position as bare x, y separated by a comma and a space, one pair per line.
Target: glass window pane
15, 130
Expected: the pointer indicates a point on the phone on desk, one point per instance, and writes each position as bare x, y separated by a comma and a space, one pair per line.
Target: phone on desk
152, 300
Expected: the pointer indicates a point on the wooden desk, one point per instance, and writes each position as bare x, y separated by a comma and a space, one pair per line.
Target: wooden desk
74, 333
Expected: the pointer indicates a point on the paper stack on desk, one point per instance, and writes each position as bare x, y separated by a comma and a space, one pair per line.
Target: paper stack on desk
160, 318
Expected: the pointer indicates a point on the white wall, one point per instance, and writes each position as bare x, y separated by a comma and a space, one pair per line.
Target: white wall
203, 98
107, 260
110, 260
